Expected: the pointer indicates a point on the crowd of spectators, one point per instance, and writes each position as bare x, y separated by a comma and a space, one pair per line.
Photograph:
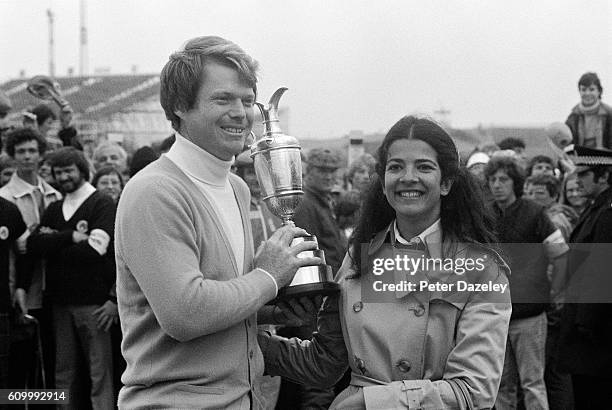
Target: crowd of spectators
59, 205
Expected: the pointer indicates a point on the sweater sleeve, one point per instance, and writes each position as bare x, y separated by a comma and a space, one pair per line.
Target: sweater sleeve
40, 243
156, 241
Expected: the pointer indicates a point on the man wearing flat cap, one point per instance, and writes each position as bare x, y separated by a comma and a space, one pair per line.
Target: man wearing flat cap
586, 325
315, 214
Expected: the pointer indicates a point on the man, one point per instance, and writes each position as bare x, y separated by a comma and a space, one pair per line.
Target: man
32, 195
591, 119
541, 164
11, 227
188, 287
110, 154
545, 189
522, 224
75, 238
43, 118
518, 146
586, 325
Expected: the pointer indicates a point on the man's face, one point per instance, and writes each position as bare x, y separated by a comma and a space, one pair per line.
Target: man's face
69, 178
5, 175
589, 95
361, 179
542, 168
321, 179
3, 120
587, 182
27, 156
222, 116
46, 126
110, 156
502, 187
539, 194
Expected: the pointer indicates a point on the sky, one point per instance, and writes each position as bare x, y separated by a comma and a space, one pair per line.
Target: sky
348, 64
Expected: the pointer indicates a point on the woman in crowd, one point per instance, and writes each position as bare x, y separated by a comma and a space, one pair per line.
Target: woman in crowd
418, 349
109, 181
573, 195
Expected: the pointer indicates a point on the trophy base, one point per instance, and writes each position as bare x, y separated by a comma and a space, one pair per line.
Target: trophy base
308, 289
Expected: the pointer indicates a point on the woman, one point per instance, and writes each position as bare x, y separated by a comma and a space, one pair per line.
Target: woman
573, 194
109, 181
419, 349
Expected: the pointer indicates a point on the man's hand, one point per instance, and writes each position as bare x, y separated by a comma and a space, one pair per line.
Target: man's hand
79, 236
107, 314
296, 312
47, 230
279, 259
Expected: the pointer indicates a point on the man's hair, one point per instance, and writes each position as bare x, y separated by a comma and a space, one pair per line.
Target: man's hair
182, 76
511, 143
42, 112
106, 171
551, 183
21, 135
511, 167
588, 79
109, 145
538, 159
600, 170
66, 156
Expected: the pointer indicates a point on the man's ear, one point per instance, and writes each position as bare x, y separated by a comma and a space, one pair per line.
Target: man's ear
445, 187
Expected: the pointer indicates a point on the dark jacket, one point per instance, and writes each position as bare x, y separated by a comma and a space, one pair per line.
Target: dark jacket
586, 328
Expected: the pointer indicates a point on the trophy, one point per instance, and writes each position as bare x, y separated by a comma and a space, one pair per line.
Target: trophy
278, 166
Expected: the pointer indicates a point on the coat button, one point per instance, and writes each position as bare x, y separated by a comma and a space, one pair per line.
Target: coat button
251, 354
404, 365
419, 311
357, 306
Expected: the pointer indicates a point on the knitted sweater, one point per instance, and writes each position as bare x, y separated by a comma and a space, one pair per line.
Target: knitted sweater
188, 313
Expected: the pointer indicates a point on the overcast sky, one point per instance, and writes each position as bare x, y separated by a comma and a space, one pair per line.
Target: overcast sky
348, 64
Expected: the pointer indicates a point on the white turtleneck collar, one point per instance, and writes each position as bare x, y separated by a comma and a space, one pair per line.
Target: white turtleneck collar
198, 163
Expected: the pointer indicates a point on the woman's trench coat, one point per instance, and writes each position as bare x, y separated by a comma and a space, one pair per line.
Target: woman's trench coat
421, 349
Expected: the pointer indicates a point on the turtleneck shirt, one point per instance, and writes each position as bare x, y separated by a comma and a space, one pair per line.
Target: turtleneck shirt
211, 176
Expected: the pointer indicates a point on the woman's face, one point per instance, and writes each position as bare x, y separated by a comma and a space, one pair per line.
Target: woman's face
110, 185
574, 193
413, 181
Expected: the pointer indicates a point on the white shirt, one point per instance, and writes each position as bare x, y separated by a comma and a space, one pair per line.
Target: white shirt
436, 226
211, 175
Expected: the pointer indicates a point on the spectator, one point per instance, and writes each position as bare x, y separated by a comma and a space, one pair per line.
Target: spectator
110, 154
5, 108
347, 212
541, 164
11, 228
360, 171
522, 224
32, 195
75, 237
518, 146
591, 120
44, 170
544, 189
476, 164
7, 168
586, 325
141, 158
108, 181
573, 194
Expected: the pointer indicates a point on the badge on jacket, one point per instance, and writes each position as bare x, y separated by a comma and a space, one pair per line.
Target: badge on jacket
82, 226
4, 232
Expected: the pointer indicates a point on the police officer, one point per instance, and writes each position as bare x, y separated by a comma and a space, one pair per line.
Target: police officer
586, 330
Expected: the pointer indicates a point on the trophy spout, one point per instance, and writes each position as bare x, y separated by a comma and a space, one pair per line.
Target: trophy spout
270, 113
